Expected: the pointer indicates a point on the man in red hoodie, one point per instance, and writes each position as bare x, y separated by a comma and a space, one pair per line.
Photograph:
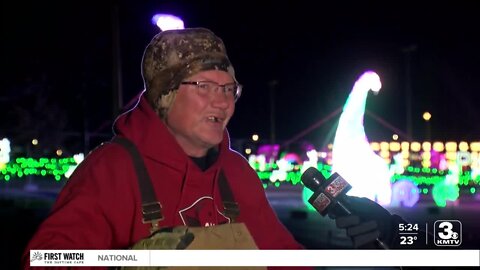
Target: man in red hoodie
195, 180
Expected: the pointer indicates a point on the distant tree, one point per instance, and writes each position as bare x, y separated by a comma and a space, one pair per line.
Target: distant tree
33, 111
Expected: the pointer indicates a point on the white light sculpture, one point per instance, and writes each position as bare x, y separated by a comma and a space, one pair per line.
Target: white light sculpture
352, 156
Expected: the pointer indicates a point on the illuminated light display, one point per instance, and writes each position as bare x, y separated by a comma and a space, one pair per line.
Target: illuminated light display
415, 146
443, 192
447, 189
46, 167
78, 158
306, 194
443, 179
475, 146
312, 160
451, 146
375, 146
4, 153
426, 146
395, 146
405, 146
167, 22
292, 158
438, 147
463, 146
258, 162
397, 166
280, 174
463, 158
384, 146
404, 193
475, 165
270, 152
352, 155
442, 189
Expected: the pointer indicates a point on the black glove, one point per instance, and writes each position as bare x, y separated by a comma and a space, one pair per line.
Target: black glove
363, 234
367, 222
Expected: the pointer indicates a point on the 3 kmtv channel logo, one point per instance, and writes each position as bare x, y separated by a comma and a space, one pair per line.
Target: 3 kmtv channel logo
447, 233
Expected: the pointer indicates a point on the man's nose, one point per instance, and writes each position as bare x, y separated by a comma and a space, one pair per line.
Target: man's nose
220, 98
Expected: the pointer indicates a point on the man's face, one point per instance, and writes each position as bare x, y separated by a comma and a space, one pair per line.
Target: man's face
197, 117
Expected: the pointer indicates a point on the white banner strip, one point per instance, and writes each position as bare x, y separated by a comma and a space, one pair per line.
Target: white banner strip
345, 258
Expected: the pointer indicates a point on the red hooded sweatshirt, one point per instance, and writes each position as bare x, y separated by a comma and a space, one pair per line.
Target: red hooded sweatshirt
100, 206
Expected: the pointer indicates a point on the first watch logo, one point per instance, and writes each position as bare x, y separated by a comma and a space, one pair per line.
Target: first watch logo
447, 233
56, 258
36, 256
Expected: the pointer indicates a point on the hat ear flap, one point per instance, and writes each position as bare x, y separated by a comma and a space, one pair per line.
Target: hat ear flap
164, 104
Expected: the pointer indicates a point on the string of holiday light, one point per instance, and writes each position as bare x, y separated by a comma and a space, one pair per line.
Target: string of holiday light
57, 167
458, 172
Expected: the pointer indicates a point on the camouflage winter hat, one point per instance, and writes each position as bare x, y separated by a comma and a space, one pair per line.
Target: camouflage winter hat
174, 55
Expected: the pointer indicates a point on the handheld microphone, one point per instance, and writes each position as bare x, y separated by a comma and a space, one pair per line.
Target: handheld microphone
328, 193
325, 192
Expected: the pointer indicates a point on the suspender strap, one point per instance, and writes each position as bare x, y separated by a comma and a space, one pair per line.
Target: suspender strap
151, 207
231, 209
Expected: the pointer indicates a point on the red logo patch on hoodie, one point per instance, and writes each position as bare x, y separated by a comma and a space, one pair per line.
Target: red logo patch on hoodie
202, 213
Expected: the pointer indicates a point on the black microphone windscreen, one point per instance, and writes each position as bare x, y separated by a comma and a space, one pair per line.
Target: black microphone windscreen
312, 179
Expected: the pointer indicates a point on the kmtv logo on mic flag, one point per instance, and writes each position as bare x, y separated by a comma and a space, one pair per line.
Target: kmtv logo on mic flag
321, 202
337, 185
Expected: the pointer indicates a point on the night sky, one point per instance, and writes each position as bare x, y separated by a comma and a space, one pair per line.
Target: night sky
58, 64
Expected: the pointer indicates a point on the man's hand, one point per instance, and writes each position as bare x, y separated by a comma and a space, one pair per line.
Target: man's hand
367, 222
363, 234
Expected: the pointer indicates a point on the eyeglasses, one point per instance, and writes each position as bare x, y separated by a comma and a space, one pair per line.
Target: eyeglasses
231, 90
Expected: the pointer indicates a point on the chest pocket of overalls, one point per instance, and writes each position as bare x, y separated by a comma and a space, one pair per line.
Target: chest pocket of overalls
225, 236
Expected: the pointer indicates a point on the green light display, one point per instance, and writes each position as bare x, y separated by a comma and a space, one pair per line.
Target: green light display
43, 167
47, 167
430, 181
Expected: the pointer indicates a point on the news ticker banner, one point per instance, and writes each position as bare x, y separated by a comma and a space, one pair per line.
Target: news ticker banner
440, 258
